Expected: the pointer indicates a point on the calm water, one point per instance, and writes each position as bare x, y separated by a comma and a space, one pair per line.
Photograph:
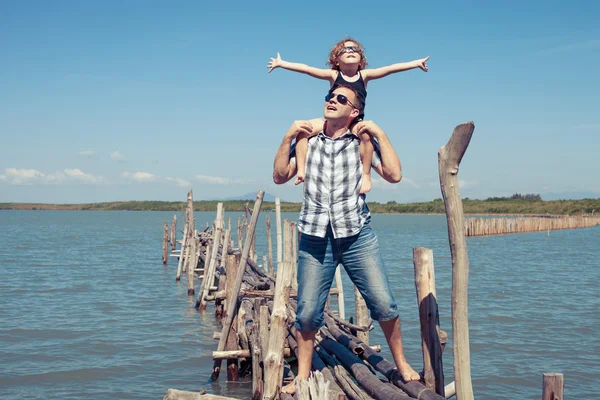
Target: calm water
88, 311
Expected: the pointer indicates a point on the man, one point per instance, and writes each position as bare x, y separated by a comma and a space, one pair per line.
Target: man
334, 222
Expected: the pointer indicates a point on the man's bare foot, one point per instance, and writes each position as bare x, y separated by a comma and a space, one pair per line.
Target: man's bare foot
299, 179
409, 374
365, 186
290, 388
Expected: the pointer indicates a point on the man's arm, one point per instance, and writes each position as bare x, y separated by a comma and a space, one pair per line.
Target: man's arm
319, 73
377, 73
389, 168
283, 168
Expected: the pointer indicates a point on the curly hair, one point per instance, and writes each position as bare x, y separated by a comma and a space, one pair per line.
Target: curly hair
337, 48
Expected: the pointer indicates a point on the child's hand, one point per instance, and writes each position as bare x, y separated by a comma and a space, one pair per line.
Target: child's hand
422, 63
274, 63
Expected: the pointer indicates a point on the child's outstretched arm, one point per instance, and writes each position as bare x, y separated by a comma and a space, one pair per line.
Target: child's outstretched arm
377, 73
319, 73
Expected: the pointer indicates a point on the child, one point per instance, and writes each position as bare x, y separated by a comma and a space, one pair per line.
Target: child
347, 62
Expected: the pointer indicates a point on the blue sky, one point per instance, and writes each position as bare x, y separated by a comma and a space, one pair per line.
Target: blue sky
142, 100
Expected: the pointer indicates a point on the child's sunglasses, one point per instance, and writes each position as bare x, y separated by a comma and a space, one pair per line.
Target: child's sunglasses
348, 49
343, 100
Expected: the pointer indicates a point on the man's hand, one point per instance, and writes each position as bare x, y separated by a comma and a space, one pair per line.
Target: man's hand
274, 63
299, 127
370, 128
422, 63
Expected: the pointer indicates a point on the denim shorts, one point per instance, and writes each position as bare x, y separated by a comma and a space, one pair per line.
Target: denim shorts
359, 254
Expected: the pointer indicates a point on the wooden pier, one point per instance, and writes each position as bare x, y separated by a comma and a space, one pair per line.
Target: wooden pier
256, 304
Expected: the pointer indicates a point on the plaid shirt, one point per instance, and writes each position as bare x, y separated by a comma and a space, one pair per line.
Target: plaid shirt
331, 187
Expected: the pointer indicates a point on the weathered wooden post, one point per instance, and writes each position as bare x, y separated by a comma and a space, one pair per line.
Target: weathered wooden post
194, 262
340, 296
449, 158
273, 362
184, 244
429, 317
209, 270
165, 243
191, 226
278, 227
173, 232
231, 305
362, 315
270, 246
239, 233
553, 386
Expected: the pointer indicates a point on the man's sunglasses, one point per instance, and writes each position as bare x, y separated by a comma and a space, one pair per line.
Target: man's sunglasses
343, 100
348, 49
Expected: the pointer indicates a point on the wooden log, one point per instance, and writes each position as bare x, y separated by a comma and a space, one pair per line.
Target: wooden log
165, 243
346, 383
251, 293
340, 287
263, 341
245, 317
174, 394
413, 388
363, 375
279, 231
317, 364
237, 284
173, 233
241, 354
253, 332
433, 370
449, 158
362, 315
270, 246
182, 256
273, 362
553, 386
194, 255
450, 390
191, 225
209, 273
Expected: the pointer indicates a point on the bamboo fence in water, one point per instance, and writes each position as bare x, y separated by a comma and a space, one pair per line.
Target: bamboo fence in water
505, 225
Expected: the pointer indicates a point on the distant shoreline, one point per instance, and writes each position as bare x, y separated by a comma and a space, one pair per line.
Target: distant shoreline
435, 207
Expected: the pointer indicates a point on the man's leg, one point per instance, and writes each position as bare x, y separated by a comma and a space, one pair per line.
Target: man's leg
306, 345
316, 270
393, 334
362, 260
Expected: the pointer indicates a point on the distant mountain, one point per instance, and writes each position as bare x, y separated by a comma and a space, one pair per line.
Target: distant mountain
570, 195
252, 196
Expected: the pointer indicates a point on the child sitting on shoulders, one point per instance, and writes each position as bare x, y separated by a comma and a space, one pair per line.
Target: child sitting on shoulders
347, 67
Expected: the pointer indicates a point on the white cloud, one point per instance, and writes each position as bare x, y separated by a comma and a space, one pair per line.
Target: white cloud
179, 182
117, 156
16, 176
87, 153
79, 175
139, 176
217, 180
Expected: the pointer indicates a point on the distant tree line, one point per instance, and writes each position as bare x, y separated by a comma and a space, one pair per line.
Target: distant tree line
517, 196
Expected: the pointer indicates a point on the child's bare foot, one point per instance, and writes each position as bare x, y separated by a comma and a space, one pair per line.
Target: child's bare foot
299, 179
365, 186
409, 374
